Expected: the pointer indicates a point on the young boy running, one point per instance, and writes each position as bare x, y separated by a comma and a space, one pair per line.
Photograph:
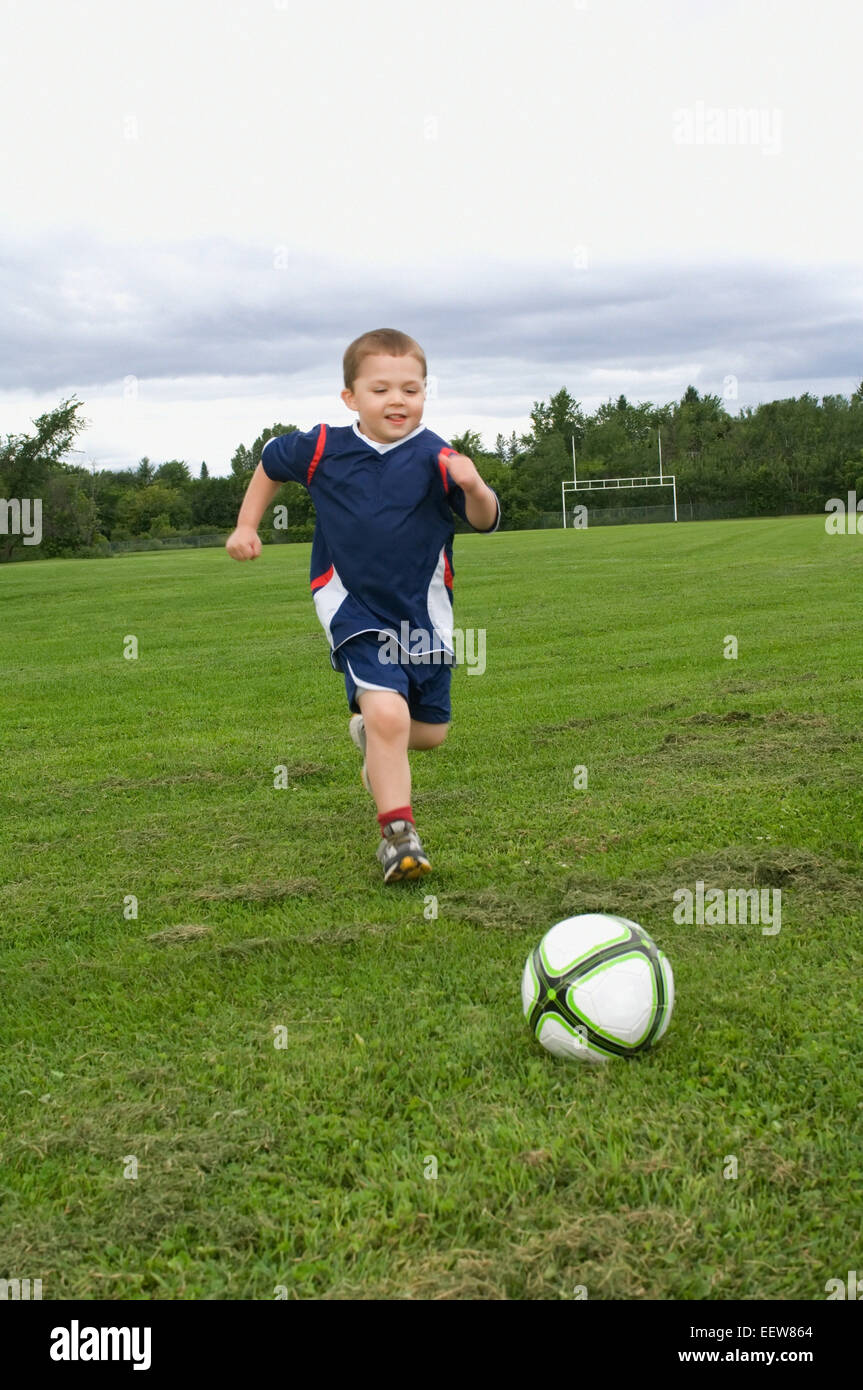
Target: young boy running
381, 573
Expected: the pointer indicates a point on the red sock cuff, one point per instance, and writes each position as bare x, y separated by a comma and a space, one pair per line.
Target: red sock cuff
400, 813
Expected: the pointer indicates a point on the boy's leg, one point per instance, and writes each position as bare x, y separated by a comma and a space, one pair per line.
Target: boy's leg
388, 725
425, 735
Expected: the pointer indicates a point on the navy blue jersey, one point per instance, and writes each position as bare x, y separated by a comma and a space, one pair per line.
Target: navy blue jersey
382, 547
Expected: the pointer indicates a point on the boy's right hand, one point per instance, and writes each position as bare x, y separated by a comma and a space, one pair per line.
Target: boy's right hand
244, 543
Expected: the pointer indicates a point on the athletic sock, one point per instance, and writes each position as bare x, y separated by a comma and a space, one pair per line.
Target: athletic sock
400, 813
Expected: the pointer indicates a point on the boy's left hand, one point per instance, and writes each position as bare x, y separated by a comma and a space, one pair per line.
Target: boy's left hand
463, 472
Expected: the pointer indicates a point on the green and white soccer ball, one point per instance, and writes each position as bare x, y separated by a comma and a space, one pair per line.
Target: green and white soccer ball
596, 987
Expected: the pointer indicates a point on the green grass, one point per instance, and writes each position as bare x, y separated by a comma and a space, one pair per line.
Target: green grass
258, 908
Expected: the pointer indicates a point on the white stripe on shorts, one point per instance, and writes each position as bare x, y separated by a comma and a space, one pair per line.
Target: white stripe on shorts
365, 685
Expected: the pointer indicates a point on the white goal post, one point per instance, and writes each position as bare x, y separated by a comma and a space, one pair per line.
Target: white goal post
570, 485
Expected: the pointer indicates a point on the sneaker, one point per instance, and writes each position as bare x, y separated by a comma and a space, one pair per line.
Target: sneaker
358, 734
401, 852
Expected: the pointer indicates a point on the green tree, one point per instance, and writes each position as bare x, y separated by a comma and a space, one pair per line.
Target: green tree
28, 462
69, 516
539, 475
468, 443
109, 487
145, 472
216, 501
507, 450
175, 473
241, 463
562, 417
137, 510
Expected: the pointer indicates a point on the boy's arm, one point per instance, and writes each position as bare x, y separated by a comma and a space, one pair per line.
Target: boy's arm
480, 506
244, 543
480, 502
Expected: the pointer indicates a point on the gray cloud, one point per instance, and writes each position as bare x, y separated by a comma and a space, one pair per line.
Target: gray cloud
79, 313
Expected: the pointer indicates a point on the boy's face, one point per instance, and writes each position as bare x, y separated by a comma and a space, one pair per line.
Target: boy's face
389, 394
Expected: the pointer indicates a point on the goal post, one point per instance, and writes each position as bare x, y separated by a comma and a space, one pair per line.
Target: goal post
660, 479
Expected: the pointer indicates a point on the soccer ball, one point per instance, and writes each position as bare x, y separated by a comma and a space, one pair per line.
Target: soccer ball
597, 986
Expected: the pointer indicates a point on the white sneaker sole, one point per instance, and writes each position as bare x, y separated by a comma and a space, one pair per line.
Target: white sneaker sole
358, 734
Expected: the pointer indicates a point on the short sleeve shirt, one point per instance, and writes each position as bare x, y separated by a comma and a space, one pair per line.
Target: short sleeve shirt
382, 546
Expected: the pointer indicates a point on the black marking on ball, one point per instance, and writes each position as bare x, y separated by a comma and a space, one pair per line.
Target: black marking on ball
558, 1005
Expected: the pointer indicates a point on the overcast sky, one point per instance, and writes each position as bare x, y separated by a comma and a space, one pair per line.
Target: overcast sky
205, 201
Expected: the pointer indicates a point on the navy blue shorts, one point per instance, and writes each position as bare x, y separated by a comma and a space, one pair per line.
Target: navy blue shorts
424, 683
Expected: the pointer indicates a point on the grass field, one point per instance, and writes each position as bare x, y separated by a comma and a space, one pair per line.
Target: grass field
263, 909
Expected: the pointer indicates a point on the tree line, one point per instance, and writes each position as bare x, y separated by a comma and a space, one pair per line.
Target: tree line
779, 457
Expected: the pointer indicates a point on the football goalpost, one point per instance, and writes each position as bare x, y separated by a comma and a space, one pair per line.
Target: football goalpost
570, 485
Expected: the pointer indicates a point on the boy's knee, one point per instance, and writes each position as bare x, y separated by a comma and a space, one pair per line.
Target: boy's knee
386, 712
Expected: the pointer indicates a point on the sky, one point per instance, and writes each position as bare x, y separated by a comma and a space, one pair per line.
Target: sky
206, 201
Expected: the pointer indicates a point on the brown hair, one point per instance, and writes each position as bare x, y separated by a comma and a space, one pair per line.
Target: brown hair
381, 340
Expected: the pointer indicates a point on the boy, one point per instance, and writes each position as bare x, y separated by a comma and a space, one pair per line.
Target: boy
381, 572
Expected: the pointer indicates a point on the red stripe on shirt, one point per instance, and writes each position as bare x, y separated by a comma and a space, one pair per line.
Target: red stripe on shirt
323, 578
444, 453
322, 439
442, 466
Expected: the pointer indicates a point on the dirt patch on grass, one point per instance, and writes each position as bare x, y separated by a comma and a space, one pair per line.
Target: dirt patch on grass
491, 908
732, 716
796, 719
738, 687
184, 931
340, 935
795, 739
649, 895
66, 1234
544, 733
535, 1158
737, 866
250, 945
771, 866
608, 1253
791, 718
259, 892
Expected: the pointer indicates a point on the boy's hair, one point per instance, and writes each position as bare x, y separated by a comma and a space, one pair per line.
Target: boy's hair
381, 340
